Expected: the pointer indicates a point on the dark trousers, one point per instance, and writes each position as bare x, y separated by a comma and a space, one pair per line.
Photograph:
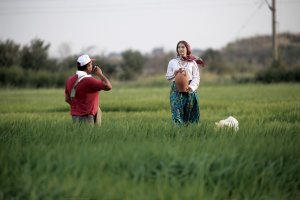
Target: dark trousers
90, 119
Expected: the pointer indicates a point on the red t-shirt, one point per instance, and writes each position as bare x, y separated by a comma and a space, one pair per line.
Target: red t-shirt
86, 100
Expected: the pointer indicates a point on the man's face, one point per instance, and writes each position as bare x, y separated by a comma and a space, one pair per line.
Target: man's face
90, 68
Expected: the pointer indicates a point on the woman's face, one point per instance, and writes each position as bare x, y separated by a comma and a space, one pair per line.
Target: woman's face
182, 51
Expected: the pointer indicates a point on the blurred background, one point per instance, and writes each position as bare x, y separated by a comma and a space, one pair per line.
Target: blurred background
133, 40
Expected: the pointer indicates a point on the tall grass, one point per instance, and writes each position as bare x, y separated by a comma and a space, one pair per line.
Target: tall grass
139, 154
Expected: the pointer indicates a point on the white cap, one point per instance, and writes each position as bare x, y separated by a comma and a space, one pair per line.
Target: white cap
84, 59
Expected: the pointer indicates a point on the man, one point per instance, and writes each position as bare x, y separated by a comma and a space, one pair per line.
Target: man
82, 91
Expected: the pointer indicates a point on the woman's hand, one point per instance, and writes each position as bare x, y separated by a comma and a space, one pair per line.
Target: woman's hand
178, 70
189, 89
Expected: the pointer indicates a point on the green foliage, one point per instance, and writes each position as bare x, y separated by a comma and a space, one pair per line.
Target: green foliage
257, 50
290, 53
13, 76
68, 63
139, 154
215, 61
108, 67
279, 73
244, 60
18, 77
132, 64
157, 62
255, 55
9, 53
32, 57
35, 56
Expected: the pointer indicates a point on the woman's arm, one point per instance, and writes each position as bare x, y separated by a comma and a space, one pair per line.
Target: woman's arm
195, 77
172, 70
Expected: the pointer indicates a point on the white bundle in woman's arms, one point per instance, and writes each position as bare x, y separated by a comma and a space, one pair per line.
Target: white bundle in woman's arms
229, 122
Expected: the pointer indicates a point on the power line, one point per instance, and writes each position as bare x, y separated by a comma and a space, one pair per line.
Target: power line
108, 7
95, 6
269, 5
250, 18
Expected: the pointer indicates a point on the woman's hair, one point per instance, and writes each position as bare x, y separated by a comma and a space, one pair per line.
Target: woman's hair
188, 47
189, 56
82, 68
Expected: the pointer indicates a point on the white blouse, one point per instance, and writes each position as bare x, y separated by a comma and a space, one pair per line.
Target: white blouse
190, 67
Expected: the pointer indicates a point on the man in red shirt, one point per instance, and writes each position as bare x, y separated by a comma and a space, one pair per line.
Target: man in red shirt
82, 91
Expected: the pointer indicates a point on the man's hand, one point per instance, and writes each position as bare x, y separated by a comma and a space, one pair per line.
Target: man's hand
97, 71
106, 82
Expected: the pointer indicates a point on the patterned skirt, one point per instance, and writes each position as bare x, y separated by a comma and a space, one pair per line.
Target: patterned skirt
184, 106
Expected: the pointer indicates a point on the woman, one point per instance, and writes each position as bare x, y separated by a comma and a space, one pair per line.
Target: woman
184, 105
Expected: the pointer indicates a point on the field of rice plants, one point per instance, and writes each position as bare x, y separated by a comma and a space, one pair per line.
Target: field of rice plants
138, 153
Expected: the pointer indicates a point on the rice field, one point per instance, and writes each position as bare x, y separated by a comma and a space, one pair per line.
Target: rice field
138, 153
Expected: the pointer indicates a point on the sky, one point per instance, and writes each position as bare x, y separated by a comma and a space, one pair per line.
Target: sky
106, 26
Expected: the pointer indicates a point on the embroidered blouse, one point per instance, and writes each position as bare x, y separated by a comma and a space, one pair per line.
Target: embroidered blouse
190, 67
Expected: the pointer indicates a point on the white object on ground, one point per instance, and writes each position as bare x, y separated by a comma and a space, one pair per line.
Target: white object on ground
229, 122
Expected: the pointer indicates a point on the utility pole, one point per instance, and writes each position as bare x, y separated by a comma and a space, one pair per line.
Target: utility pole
274, 41
274, 35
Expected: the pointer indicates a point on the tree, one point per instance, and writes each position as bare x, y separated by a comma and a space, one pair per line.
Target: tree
132, 64
215, 61
68, 63
64, 50
108, 66
35, 56
157, 63
9, 53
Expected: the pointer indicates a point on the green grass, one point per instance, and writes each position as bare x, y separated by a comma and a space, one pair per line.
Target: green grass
139, 154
